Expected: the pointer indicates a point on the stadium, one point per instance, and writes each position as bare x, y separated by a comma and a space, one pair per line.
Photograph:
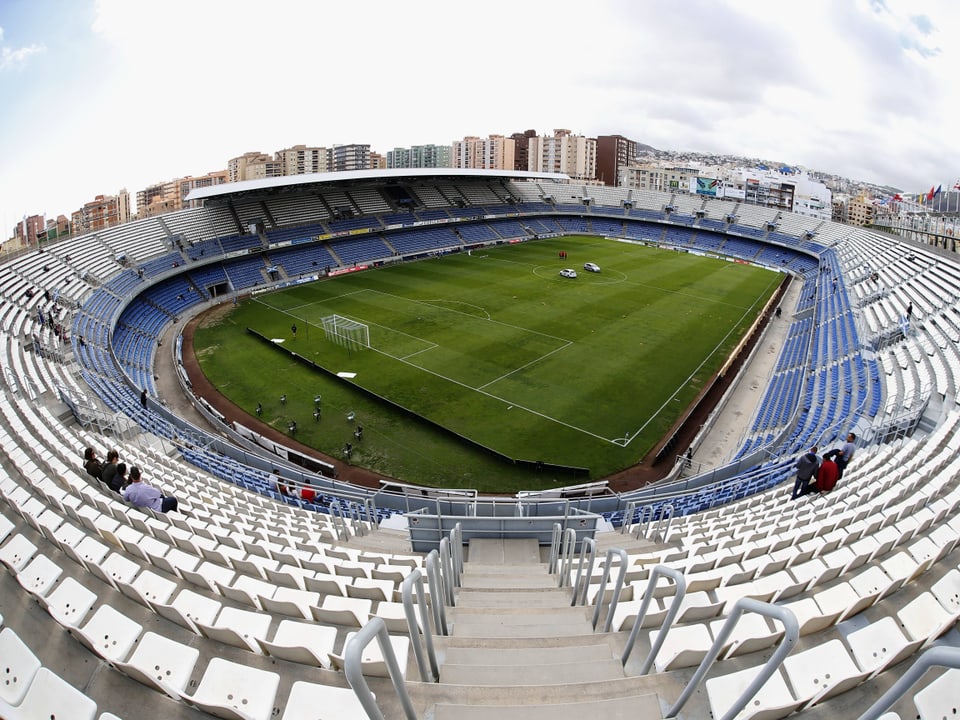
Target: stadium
705, 594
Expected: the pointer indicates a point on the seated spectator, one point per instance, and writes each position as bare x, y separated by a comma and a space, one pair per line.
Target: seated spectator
109, 473
279, 485
91, 464
140, 494
121, 479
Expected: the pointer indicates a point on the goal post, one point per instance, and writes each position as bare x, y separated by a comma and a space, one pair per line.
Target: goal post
348, 333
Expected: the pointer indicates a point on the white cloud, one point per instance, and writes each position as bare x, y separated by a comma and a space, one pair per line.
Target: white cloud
145, 92
16, 58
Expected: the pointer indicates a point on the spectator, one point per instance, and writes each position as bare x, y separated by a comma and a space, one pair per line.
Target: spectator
143, 398
109, 473
844, 454
140, 494
807, 467
121, 477
91, 464
279, 485
827, 475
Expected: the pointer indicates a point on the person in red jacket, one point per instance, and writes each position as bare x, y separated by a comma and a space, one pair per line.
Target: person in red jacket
827, 475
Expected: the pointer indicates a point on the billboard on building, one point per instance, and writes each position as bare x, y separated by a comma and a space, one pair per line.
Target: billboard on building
708, 186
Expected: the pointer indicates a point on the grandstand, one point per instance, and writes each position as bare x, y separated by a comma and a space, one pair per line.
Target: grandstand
665, 601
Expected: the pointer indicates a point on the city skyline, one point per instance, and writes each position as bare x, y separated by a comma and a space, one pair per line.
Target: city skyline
105, 95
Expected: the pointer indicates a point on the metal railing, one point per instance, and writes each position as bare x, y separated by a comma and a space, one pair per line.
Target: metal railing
568, 548
353, 669
415, 581
790, 636
447, 573
618, 588
438, 593
456, 552
681, 590
941, 656
641, 528
588, 556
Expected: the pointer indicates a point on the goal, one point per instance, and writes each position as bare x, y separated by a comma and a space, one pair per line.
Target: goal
349, 333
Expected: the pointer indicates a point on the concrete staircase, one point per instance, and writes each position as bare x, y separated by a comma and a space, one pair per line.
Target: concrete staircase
517, 649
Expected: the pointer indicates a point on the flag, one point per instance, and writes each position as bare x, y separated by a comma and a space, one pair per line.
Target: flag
930, 194
897, 197
939, 190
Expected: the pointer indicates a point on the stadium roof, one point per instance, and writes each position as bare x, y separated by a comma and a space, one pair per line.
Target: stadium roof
332, 178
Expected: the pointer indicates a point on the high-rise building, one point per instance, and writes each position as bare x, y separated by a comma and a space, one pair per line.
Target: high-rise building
159, 198
218, 177
521, 152
303, 160
563, 152
659, 176
253, 166
344, 158
614, 152
419, 156
170, 196
100, 213
30, 230
858, 211
492, 153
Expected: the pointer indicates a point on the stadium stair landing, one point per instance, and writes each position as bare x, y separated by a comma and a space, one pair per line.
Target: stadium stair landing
517, 648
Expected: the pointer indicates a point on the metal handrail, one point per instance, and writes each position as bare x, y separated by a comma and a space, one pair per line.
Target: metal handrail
665, 511
437, 592
336, 513
940, 656
415, 579
446, 565
353, 669
643, 523
554, 548
588, 553
566, 556
681, 584
456, 552
622, 554
627, 516
371, 511
790, 635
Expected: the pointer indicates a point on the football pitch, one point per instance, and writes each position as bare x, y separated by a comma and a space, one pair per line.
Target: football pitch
469, 356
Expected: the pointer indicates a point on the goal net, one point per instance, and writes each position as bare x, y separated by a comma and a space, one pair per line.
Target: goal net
349, 333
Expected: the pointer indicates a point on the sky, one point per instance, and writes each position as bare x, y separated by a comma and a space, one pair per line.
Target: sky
99, 95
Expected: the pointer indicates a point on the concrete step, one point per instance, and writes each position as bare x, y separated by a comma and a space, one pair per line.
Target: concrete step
501, 551
507, 582
519, 626
522, 615
543, 673
513, 656
643, 706
483, 598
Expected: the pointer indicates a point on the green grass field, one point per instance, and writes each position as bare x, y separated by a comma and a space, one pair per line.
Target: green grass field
498, 348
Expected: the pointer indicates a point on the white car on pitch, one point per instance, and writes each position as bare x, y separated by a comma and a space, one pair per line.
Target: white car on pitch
568, 272
591, 267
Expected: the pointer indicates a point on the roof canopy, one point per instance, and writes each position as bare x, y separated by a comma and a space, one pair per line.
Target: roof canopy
333, 178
